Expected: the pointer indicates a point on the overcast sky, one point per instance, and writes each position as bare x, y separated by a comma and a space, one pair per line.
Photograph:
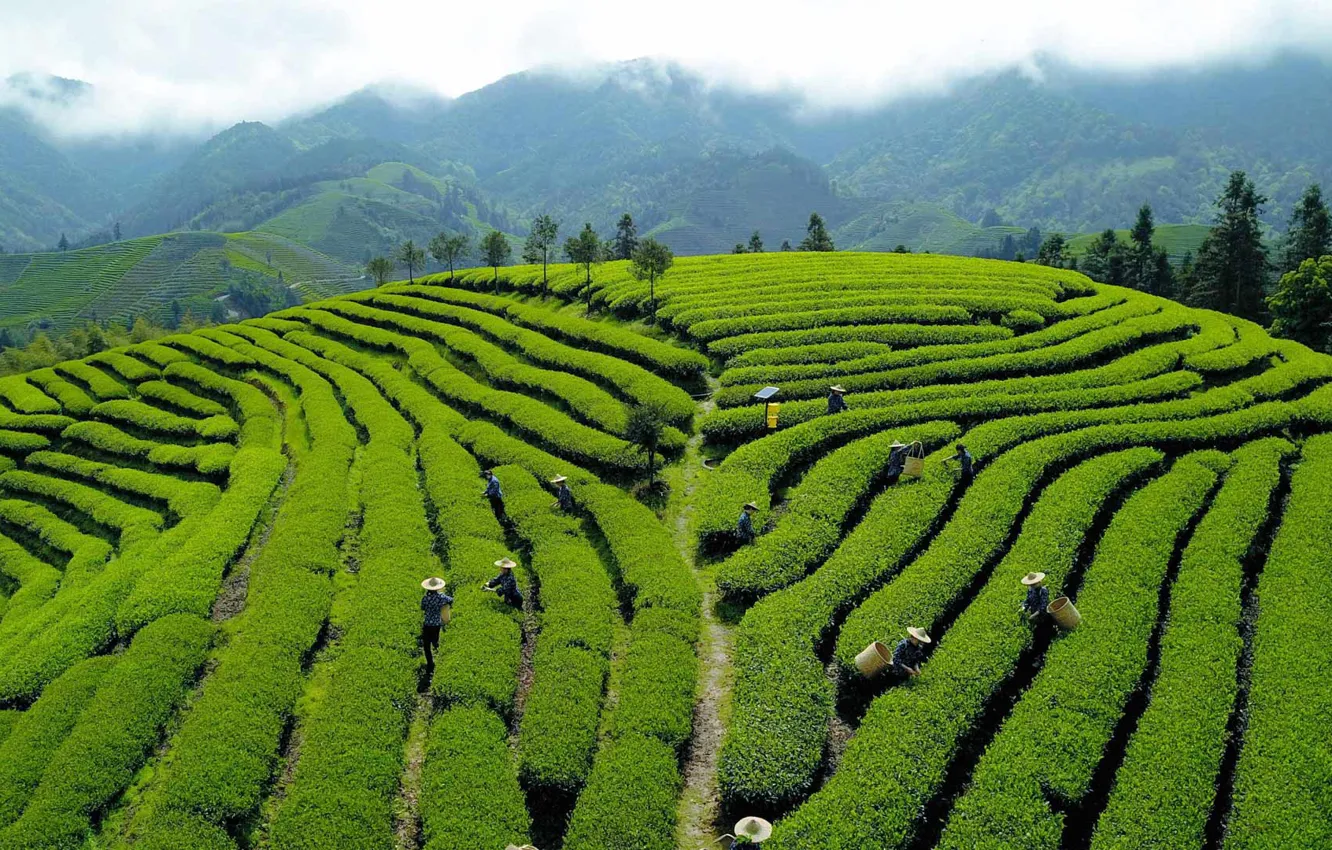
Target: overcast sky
180, 64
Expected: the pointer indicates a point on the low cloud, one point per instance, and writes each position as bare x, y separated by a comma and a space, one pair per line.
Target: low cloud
192, 66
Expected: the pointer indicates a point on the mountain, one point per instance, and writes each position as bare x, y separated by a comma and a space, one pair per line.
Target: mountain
700, 166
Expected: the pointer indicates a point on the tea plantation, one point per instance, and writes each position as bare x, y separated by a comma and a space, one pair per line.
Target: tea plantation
211, 549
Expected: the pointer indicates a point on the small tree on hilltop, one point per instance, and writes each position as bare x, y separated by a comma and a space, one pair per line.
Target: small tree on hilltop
1310, 234
1301, 305
586, 250
540, 244
644, 430
626, 238
115, 232
1230, 273
739, 248
63, 244
755, 243
1052, 251
496, 251
412, 257
786, 245
650, 261
448, 248
901, 249
380, 268
816, 235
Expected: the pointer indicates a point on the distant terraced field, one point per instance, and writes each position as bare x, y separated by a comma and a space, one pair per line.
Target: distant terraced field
210, 550
143, 276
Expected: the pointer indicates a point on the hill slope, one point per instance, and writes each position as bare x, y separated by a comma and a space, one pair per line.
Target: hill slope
212, 544
122, 280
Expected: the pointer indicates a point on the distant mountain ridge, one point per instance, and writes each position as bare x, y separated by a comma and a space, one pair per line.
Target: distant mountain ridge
699, 166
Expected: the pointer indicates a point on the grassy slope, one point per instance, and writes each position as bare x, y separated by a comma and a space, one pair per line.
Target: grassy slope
139, 276
1177, 239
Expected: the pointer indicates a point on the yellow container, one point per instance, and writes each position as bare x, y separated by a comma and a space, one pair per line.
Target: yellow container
772, 415
873, 659
914, 467
1064, 613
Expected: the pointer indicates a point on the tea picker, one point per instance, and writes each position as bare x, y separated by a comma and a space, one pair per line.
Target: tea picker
744, 526
437, 608
494, 494
563, 498
750, 830
909, 653
896, 461
1038, 595
836, 402
964, 458
505, 584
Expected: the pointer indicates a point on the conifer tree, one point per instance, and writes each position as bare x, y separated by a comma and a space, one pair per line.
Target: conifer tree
1310, 234
1230, 273
626, 238
816, 235
755, 243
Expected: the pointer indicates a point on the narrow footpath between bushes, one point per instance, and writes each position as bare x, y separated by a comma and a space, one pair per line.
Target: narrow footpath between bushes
700, 802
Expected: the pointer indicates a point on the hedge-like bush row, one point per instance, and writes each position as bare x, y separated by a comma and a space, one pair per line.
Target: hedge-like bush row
1164, 790
22, 442
919, 314
87, 554
179, 398
770, 757
1050, 744
630, 799
1251, 344
132, 370
37, 582
182, 498
40, 732
545, 424
260, 424
113, 735
26, 398
208, 459
818, 352
102, 386
626, 379
588, 402
200, 345
188, 580
368, 408
896, 336
1103, 344
47, 423
343, 787
159, 354
596, 336
917, 355
563, 708
981, 400
816, 511
1282, 777
469, 793
134, 525
221, 760
73, 401
805, 613
149, 418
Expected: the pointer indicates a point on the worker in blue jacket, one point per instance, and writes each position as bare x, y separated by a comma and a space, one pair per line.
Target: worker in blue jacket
563, 497
964, 458
909, 653
494, 494
434, 606
744, 526
836, 402
505, 584
896, 461
1038, 595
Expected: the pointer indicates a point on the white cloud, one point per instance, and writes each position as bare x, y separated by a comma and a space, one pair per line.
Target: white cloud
191, 64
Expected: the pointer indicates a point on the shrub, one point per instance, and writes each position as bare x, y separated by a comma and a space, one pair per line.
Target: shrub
630, 799
1023, 321
99, 383
469, 792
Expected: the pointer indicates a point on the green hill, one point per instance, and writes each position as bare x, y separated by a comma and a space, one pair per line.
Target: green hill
212, 547
122, 280
1176, 239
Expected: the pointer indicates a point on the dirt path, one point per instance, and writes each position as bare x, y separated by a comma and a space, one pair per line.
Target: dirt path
700, 803
406, 816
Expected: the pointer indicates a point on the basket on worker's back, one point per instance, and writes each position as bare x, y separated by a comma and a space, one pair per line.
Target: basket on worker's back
915, 460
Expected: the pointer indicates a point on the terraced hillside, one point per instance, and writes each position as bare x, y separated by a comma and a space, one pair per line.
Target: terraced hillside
210, 550
144, 276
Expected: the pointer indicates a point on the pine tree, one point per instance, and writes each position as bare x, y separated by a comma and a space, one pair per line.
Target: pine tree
626, 238
1105, 259
1310, 234
816, 235
115, 232
63, 244
1230, 273
1141, 261
755, 243
786, 245
739, 248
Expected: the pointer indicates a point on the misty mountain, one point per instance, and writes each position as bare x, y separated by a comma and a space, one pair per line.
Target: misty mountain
701, 166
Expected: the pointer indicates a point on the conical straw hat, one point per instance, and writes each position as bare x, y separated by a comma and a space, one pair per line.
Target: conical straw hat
755, 829
559, 479
1033, 578
505, 564
837, 388
919, 634
434, 583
